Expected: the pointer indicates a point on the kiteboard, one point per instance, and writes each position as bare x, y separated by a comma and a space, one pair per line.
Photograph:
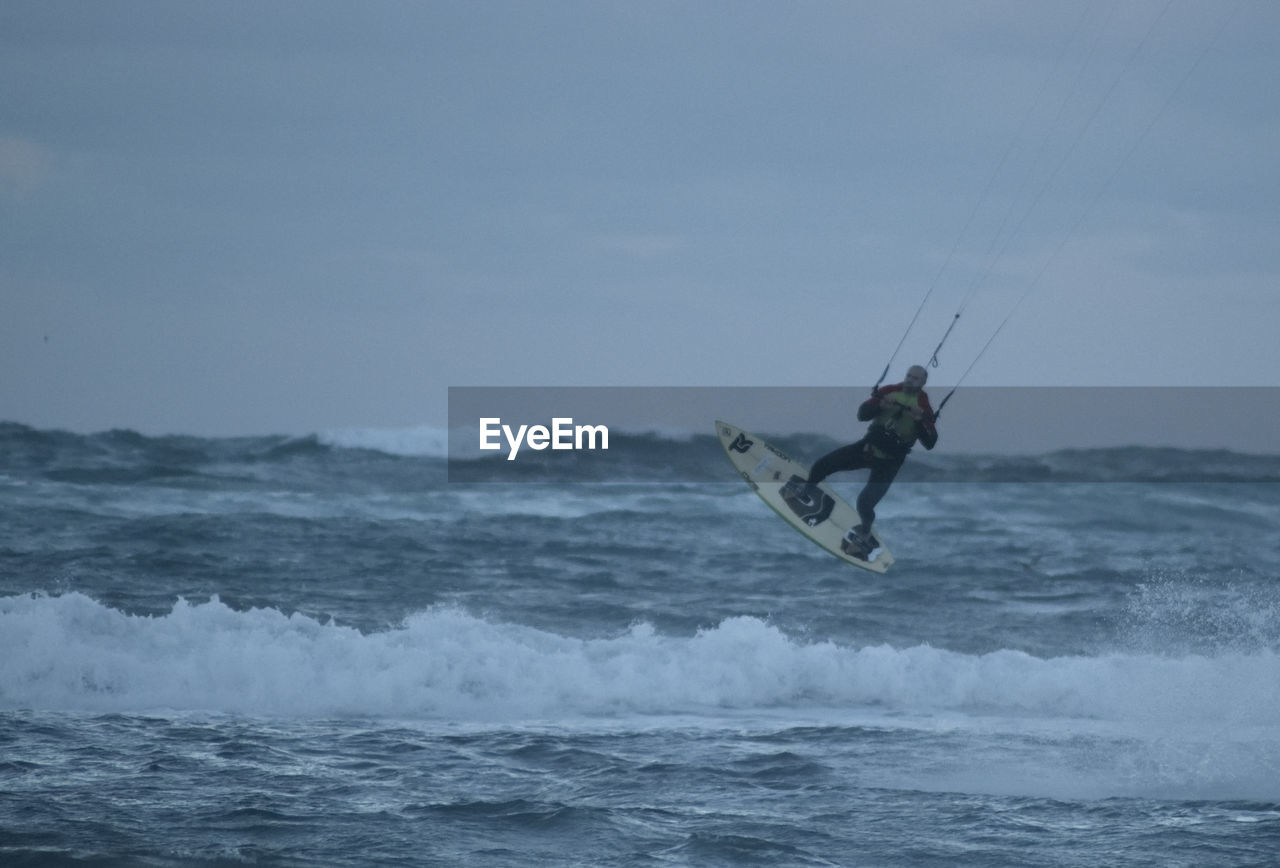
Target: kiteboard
814, 510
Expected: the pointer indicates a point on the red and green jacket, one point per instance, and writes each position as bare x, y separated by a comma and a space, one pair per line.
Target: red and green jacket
894, 431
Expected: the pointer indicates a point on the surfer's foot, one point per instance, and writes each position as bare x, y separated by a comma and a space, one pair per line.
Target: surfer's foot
797, 487
858, 536
858, 543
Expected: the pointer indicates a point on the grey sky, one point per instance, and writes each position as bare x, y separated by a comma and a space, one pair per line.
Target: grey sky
284, 217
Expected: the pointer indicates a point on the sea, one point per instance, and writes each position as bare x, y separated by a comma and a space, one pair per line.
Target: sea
345, 649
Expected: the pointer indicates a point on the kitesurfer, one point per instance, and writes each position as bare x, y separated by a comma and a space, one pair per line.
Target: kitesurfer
900, 415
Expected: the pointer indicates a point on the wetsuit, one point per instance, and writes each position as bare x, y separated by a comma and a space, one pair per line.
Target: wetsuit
892, 433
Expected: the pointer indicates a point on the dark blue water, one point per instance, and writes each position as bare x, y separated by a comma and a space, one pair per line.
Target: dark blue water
319, 651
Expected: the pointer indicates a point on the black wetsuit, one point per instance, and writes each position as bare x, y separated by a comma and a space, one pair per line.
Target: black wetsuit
882, 450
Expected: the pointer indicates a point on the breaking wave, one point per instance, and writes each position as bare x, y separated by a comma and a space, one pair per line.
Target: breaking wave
71, 652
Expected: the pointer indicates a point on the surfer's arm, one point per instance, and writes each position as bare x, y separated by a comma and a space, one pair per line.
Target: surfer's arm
928, 435
870, 408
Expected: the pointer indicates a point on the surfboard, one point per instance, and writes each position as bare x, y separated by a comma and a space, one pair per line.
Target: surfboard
814, 510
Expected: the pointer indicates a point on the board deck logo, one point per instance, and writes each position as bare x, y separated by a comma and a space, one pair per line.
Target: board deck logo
810, 503
742, 444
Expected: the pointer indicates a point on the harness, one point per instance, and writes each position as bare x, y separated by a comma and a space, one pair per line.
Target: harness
892, 434
885, 445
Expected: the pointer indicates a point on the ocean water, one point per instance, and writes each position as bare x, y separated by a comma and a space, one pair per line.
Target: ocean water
320, 651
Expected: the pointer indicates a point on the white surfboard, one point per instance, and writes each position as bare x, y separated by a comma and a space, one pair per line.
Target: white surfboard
814, 510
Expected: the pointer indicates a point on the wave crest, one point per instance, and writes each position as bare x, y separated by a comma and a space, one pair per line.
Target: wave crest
71, 652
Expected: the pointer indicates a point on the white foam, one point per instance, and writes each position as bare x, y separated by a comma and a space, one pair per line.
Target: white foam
423, 441
72, 653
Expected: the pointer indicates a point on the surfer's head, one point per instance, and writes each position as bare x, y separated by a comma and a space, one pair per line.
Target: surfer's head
916, 377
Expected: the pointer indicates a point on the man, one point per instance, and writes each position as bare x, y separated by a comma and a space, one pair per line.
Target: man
899, 416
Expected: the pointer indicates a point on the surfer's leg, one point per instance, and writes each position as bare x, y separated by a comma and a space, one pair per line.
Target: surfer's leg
851, 457
877, 486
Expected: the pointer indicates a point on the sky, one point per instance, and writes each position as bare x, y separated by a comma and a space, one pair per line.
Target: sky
284, 217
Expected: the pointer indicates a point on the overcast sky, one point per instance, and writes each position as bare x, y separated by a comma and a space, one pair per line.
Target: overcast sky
270, 217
